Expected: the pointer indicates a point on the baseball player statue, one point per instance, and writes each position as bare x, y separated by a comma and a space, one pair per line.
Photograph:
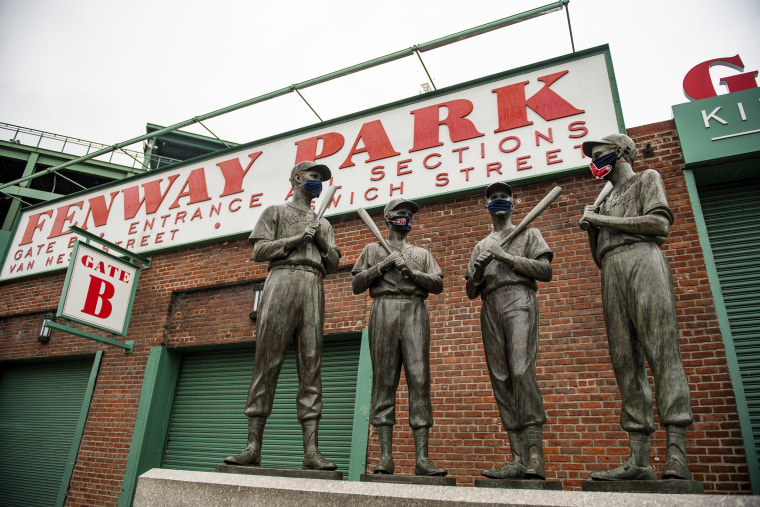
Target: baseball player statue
300, 250
399, 280
505, 277
626, 229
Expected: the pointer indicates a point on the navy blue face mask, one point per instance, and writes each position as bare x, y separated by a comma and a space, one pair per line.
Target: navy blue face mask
402, 224
603, 166
499, 205
313, 186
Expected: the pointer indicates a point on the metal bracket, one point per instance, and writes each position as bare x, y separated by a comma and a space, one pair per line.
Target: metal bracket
66, 328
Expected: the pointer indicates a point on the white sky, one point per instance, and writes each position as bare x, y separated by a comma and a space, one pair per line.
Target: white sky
101, 69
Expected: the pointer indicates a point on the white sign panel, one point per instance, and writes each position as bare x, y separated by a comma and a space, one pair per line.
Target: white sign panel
509, 127
99, 290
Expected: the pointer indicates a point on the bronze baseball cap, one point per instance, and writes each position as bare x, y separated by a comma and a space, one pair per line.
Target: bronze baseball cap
621, 140
399, 202
499, 185
307, 165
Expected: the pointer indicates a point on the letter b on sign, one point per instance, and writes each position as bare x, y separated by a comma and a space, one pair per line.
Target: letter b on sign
98, 301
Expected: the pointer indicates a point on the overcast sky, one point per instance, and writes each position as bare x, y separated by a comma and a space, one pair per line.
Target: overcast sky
100, 70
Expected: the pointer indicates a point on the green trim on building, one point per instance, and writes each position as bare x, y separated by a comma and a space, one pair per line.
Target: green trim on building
152, 421
360, 433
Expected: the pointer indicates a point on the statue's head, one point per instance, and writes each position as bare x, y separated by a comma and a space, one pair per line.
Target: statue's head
310, 176
605, 153
399, 214
499, 198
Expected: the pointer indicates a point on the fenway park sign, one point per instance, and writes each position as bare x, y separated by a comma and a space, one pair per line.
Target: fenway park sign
518, 125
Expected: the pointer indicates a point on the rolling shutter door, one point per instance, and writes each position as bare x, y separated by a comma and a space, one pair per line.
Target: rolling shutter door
40, 407
731, 215
207, 421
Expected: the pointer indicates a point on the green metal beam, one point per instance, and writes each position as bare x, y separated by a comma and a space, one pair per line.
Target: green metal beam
66, 328
40, 195
428, 46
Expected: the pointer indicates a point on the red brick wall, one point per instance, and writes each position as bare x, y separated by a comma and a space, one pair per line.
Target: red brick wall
581, 398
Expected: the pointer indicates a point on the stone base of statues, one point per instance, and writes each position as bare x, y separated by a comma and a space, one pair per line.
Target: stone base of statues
656, 486
426, 480
281, 472
519, 484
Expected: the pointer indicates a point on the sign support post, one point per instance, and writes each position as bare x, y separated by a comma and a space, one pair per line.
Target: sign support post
99, 290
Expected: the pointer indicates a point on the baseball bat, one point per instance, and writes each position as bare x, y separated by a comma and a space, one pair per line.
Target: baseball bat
584, 225
373, 228
325, 202
537, 210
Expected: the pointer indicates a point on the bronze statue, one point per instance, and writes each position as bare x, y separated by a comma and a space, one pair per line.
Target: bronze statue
399, 279
300, 250
625, 229
505, 275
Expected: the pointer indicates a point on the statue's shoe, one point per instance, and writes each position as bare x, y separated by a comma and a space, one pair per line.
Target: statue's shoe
509, 471
676, 470
249, 457
427, 467
315, 461
535, 470
385, 467
625, 472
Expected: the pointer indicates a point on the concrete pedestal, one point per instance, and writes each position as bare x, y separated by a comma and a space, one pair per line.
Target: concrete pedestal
203, 489
409, 479
518, 484
664, 487
281, 472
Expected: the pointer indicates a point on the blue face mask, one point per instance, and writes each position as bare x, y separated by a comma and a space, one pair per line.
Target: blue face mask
402, 224
313, 186
499, 205
603, 166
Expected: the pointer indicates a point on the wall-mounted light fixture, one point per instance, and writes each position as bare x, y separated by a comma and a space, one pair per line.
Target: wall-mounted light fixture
257, 290
44, 336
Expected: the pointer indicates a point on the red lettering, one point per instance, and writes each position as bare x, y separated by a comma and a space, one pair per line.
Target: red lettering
34, 224
579, 127
427, 158
493, 166
152, 199
697, 84
255, 202
513, 106
522, 163
459, 151
377, 173
514, 139
233, 174
552, 157
466, 172
236, 202
61, 218
441, 179
427, 123
194, 188
549, 137
307, 149
400, 188
98, 210
403, 164
97, 303
376, 144
366, 194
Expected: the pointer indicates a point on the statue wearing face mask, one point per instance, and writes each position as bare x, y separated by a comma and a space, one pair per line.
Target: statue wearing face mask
625, 232
505, 276
399, 332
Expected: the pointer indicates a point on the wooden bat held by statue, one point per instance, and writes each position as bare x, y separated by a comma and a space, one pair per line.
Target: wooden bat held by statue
584, 224
373, 228
325, 202
535, 212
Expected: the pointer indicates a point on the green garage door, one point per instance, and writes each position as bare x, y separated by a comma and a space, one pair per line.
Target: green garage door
732, 217
207, 421
42, 411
